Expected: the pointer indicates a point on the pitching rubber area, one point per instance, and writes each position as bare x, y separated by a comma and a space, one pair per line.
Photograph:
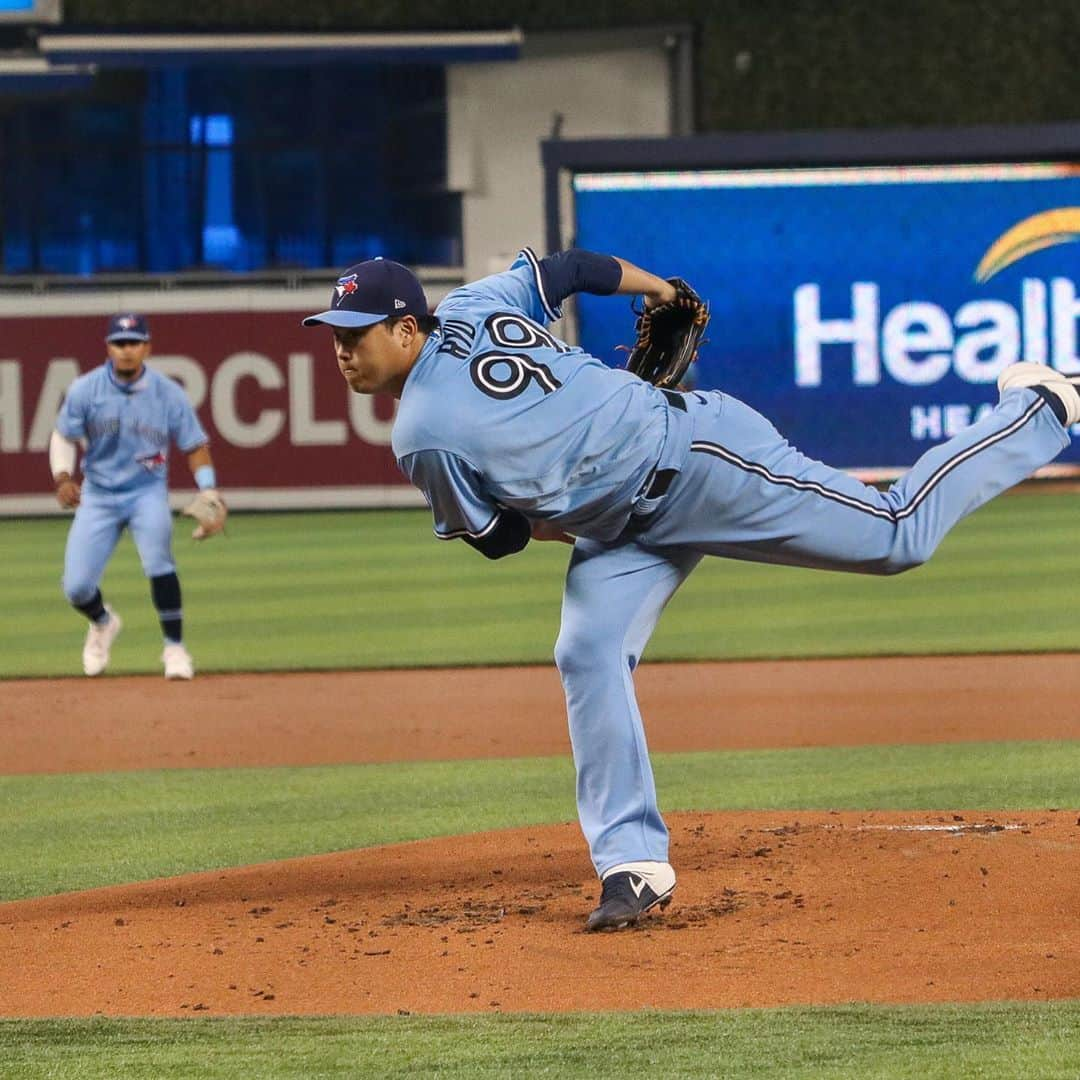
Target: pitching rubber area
776, 907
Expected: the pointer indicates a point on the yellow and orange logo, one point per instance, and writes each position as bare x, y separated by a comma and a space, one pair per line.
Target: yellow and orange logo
1036, 233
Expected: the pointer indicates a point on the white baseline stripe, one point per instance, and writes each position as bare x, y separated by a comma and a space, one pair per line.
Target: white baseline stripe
954, 829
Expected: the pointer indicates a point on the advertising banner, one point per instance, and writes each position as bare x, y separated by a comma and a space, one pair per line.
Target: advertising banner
285, 430
867, 311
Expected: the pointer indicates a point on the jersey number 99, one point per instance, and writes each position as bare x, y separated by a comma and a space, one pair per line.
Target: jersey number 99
505, 375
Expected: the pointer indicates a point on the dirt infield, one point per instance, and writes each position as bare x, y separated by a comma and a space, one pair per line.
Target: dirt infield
772, 908
80, 725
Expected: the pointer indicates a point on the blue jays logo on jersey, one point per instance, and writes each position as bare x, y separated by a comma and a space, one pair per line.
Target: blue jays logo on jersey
150, 462
345, 286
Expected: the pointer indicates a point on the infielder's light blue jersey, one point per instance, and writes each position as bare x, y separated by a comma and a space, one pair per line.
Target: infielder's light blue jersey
128, 427
497, 412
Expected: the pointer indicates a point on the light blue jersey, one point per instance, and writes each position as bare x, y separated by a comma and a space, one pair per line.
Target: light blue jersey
499, 413
128, 427
502, 426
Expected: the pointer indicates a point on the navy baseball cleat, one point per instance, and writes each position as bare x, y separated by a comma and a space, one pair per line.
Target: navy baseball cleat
631, 889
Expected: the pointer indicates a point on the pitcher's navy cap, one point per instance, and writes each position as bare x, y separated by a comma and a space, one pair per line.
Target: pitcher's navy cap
371, 291
127, 327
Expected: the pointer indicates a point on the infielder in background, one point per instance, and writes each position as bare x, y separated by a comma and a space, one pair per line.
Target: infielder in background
511, 433
126, 414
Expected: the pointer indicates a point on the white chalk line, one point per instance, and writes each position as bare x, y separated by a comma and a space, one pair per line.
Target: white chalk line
958, 828
955, 829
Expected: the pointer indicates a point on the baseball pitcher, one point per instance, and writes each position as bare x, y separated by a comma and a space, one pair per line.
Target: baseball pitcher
512, 434
125, 414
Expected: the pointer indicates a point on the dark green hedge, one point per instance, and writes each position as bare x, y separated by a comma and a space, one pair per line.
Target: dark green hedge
762, 64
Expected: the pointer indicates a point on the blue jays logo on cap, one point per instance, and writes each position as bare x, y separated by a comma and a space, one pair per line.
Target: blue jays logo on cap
370, 292
127, 327
345, 286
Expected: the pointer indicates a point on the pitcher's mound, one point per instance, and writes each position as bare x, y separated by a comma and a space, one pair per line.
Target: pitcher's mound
771, 908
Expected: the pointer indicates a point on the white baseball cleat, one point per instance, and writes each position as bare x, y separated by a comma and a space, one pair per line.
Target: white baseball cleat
99, 639
1026, 373
177, 661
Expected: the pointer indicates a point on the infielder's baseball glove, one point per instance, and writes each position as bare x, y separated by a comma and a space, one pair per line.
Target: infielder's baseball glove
208, 509
668, 336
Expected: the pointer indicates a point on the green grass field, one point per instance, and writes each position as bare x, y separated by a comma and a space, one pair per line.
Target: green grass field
374, 589
1018, 1042
74, 832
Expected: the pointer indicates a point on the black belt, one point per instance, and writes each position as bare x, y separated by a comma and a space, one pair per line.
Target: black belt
657, 482
655, 487
660, 482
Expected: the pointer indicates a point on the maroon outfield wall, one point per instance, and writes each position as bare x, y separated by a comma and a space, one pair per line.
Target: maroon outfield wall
284, 428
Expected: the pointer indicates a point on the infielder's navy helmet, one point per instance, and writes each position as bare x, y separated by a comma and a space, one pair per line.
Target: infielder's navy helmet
127, 327
371, 291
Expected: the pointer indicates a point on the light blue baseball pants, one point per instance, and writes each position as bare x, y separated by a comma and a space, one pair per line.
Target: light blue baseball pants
745, 493
100, 520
